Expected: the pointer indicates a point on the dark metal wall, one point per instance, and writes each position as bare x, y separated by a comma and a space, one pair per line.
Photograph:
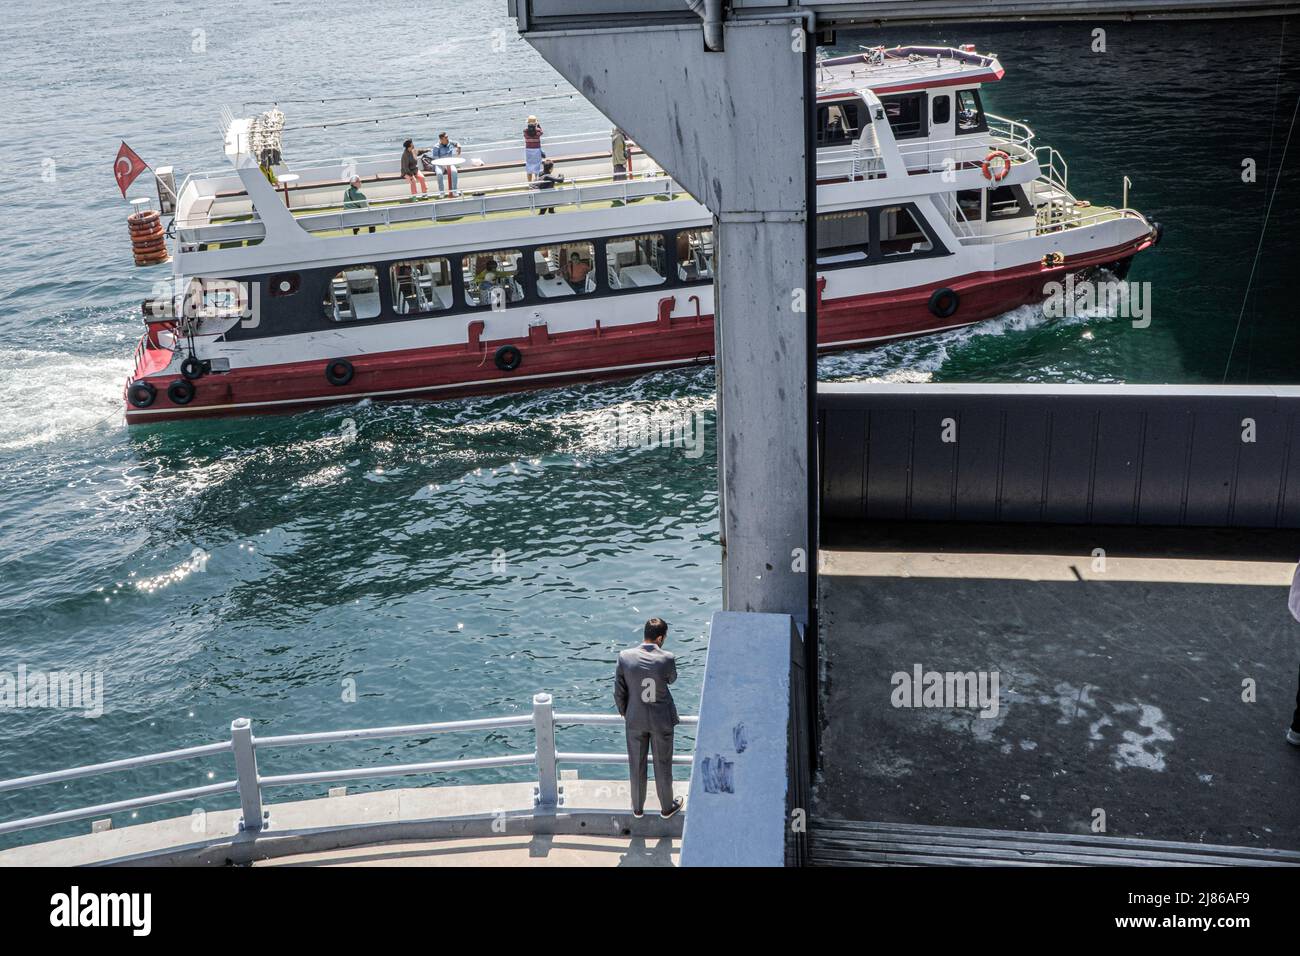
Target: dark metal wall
1147, 455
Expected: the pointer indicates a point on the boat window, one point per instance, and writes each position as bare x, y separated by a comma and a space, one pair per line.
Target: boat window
901, 234
1009, 202
421, 285
970, 202
633, 262
217, 299
695, 254
565, 269
843, 237
493, 278
942, 110
839, 123
353, 294
970, 112
906, 113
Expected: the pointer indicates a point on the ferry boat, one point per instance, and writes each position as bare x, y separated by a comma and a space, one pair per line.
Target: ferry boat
932, 214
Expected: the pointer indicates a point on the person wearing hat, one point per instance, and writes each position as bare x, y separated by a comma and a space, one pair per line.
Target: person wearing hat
354, 198
445, 147
642, 697
533, 154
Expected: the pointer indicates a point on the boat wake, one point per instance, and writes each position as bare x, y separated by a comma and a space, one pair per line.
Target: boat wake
46, 396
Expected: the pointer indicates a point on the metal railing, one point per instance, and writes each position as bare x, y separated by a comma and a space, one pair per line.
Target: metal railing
1041, 228
1055, 169
249, 783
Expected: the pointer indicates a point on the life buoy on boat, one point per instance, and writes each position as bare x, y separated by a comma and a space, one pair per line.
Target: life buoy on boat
181, 391
339, 372
508, 358
996, 165
192, 368
141, 394
944, 303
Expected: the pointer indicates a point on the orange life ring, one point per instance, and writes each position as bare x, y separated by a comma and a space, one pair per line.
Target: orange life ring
1003, 168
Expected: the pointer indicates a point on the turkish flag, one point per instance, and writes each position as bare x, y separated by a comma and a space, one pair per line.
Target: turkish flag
127, 167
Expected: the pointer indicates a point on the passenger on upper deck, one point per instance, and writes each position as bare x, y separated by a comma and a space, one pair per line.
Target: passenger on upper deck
618, 153
445, 147
354, 198
411, 168
533, 154
548, 180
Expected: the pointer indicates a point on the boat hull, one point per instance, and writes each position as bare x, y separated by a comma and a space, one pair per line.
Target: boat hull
551, 359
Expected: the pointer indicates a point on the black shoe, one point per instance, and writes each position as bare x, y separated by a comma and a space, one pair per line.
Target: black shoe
674, 809
638, 814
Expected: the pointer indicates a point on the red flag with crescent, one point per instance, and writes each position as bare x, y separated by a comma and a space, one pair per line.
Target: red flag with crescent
127, 167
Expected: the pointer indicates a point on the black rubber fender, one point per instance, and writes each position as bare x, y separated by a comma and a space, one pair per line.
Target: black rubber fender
141, 394
181, 391
944, 303
339, 372
192, 368
508, 358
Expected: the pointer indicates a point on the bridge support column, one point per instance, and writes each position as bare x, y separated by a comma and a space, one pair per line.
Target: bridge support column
731, 128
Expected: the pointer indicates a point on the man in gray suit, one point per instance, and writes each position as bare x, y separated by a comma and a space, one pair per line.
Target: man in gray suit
641, 695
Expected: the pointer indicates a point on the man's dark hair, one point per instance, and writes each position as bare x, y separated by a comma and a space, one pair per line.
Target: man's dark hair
407, 145
655, 628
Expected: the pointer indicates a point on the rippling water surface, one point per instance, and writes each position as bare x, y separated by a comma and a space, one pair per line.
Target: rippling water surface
451, 559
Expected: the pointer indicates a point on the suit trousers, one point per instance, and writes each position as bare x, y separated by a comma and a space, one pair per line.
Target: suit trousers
639, 743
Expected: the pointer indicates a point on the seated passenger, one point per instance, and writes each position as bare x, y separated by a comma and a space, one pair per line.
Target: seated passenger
354, 198
575, 272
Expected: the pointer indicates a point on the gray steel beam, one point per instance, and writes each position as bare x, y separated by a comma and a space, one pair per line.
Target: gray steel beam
709, 119
552, 14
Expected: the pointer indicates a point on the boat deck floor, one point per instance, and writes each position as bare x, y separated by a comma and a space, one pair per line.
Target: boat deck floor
1156, 691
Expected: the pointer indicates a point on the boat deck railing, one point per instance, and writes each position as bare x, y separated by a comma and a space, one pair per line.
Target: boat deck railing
1058, 222
248, 783
482, 202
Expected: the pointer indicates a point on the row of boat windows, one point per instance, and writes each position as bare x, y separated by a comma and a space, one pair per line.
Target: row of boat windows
842, 122
503, 277
572, 269
877, 233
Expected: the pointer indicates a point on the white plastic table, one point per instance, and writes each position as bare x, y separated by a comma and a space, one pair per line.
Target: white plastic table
286, 181
446, 164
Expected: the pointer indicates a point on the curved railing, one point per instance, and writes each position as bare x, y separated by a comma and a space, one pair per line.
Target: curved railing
249, 783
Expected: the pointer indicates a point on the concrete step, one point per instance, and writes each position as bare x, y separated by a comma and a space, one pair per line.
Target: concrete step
858, 843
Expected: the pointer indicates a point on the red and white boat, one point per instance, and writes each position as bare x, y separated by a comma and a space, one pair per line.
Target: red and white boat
932, 214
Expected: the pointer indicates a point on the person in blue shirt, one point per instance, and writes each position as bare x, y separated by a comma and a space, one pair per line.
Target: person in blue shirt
445, 147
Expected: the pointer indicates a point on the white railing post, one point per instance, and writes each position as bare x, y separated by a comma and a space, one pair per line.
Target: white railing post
544, 737
250, 790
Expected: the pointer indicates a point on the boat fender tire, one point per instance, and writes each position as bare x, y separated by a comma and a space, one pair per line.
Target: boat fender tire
192, 368
339, 372
944, 303
141, 394
181, 391
508, 358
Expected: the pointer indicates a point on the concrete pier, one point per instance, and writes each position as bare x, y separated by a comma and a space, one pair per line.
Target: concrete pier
491, 824
1147, 693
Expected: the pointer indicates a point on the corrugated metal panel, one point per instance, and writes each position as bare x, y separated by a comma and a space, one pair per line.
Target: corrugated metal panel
1152, 455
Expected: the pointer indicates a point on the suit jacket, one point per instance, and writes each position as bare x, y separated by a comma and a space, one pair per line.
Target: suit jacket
641, 688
